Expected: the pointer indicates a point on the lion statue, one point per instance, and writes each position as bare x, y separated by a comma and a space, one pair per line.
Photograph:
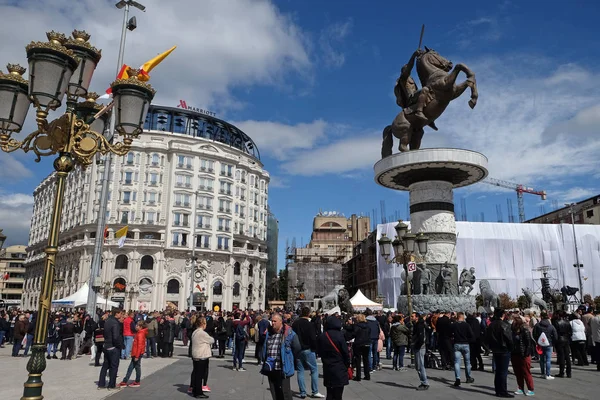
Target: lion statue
331, 299
490, 298
344, 301
534, 300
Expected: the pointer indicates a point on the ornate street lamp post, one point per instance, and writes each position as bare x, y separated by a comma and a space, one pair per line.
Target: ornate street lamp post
404, 248
64, 66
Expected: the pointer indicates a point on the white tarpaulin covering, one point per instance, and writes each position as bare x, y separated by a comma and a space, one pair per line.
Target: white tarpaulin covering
360, 302
79, 299
508, 254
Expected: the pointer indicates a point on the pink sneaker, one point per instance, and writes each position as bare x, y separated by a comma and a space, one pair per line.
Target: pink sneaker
190, 389
205, 389
135, 384
122, 384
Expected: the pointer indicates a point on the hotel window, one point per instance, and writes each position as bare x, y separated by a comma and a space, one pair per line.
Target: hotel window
128, 178
206, 184
225, 187
224, 224
179, 239
153, 178
207, 165
126, 197
203, 241
226, 170
223, 243
155, 159
130, 158
150, 217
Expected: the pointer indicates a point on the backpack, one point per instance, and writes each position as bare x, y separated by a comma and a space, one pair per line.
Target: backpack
432, 361
543, 340
241, 333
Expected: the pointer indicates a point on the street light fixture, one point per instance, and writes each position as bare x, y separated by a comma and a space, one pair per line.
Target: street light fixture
404, 247
57, 68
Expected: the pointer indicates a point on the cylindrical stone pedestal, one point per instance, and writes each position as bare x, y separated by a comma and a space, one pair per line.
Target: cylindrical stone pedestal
430, 175
432, 213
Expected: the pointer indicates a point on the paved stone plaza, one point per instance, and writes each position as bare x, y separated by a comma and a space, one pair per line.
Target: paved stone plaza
169, 379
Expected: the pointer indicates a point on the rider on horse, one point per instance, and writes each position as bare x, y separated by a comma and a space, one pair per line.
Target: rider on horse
408, 96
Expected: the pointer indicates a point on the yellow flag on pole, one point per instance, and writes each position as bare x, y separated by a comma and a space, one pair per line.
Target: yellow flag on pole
150, 64
121, 234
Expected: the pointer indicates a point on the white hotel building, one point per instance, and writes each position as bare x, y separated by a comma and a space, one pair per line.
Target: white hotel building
189, 180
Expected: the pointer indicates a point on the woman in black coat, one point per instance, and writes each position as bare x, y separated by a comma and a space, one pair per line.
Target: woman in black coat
361, 346
334, 355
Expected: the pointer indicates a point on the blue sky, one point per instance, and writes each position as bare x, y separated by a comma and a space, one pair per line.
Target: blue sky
312, 83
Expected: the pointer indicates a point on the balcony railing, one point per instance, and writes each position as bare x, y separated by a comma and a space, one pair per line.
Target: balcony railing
205, 226
153, 183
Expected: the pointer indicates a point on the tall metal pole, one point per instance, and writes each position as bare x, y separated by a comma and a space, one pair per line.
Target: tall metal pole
94, 282
572, 211
37, 363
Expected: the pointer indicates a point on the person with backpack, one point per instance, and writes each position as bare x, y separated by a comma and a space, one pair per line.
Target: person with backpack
262, 327
520, 357
545, 336
222, 335
241, 340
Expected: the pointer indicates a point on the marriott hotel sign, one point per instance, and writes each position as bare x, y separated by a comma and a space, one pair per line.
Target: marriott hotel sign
183, 104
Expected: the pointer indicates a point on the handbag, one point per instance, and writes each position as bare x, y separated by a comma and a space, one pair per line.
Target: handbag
350, 370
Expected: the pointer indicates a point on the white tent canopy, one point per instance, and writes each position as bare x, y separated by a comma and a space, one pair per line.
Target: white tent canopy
79, 299
360, 302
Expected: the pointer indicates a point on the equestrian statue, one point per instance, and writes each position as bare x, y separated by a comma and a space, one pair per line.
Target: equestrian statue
421, 107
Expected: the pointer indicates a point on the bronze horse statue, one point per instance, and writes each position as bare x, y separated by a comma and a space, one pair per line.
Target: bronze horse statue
438, 79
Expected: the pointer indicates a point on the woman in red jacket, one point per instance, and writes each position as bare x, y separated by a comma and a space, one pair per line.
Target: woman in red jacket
137, 351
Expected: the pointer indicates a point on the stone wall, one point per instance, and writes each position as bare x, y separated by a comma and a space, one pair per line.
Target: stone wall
425, 304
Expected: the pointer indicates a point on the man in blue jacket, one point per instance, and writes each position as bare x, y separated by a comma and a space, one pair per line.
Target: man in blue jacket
281, 347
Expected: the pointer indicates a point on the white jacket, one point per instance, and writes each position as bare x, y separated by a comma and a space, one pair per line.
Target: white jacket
578, 330
201, 344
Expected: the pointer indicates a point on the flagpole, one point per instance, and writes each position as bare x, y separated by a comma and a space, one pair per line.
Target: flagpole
94, 281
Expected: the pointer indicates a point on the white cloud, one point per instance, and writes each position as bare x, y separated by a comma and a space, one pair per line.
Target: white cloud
531, 131
15, 215
337, 157
281, 140
278, 182
221, 44
12, 169
330, 38
573, 194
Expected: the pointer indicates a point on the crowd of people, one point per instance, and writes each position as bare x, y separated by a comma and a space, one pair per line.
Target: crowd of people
350, 346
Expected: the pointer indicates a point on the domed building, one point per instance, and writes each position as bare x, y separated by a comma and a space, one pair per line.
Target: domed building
192, 185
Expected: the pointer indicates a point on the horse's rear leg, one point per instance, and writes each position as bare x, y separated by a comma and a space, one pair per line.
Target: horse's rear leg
416, 137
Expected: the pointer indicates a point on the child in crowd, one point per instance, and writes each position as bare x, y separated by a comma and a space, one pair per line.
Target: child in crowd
137, 351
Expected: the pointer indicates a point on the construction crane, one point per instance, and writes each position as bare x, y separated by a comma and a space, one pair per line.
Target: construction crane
520, 189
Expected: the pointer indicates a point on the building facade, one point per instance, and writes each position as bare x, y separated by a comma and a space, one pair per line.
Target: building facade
191, 182
315, 270
333, 237
585, 212
12, 274
360, 272
272, 243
